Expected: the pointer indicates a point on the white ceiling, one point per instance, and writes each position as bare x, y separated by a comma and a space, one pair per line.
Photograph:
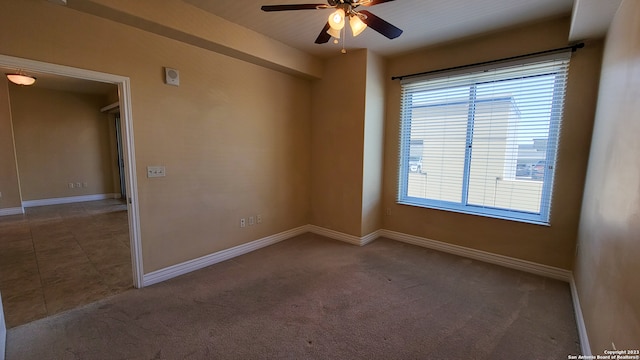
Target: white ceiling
591, 18
425, 22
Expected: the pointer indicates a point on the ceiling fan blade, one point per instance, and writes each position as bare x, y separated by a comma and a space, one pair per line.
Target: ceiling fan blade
293, 7
373, 2
380, 25
324, 37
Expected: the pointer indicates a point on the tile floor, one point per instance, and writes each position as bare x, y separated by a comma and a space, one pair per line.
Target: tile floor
58, 257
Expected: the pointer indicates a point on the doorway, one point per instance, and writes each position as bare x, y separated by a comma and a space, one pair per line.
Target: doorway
126, 157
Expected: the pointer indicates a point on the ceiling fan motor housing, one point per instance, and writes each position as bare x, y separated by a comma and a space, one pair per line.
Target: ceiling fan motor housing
336, 2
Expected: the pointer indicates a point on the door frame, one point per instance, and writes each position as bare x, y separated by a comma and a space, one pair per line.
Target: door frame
126, 122
121, 166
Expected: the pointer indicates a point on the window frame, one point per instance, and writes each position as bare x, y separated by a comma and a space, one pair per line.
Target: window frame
555, 121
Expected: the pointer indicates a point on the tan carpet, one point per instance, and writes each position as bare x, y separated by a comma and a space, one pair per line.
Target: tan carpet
314, 298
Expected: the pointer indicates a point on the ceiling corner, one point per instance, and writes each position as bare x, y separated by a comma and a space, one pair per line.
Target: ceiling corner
591, 18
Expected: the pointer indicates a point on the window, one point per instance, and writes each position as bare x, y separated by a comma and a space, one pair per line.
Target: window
483, 141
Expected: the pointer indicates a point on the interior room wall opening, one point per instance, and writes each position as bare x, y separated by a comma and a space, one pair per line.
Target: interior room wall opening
72, 245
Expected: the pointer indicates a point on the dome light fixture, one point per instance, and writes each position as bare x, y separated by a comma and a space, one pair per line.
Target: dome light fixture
21, 79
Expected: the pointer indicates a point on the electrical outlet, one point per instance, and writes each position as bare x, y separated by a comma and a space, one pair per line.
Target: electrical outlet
259, 219
252, 220
71, 186
84, 184
78, 185
388, 211
243, 222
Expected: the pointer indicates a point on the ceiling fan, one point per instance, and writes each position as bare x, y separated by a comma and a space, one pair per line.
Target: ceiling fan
345, 10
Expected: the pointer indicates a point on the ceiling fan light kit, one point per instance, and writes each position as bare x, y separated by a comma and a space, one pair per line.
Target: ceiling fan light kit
358, 20
336, 20
357, 25
334, 32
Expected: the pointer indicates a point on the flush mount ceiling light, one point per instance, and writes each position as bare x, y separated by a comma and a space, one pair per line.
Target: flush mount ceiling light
21, 79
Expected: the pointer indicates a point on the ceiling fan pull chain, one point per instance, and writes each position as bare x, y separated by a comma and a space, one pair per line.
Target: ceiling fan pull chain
344, 38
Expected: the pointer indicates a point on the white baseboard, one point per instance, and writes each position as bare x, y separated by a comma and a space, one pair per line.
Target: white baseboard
68, 200
371, 237
336, 235
12, 211
506, 261
585, 347
207, 260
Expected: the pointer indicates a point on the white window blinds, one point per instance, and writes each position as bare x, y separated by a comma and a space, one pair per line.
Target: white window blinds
483, 140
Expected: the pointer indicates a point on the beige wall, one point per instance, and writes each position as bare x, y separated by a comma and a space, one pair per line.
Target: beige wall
347, 144
239, 139
8, 172
553, 245
234, 137
607, 268
181, 21
61, 137
373, 144
337, 143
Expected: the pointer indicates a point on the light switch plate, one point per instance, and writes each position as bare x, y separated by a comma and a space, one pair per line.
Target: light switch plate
155, 171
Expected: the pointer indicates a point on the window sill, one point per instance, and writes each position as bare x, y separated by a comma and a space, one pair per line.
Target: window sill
493, 214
